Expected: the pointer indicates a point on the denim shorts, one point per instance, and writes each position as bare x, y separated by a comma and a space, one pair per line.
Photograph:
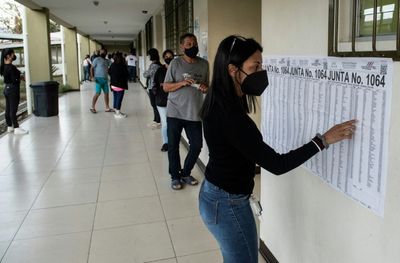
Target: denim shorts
230, 220
101, 84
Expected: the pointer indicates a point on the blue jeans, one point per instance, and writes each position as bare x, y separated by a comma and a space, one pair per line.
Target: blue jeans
86, 75
230, 219
132, 73
163, 117
194, 133
118, 96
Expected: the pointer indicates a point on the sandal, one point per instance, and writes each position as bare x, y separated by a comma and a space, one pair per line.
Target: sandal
176, 184
110, 110
189, 180
93, 111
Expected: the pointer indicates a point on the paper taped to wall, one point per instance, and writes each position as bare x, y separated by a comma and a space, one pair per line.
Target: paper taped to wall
308, 95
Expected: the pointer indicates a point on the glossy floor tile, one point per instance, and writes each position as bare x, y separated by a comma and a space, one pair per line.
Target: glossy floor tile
61, 249
85, 187
139, 243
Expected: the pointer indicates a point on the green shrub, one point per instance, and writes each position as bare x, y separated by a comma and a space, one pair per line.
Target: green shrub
65, 88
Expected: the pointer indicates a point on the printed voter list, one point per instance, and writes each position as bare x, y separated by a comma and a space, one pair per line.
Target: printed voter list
309, 95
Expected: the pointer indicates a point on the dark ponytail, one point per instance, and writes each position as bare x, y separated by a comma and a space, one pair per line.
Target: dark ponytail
6, 52
233, 50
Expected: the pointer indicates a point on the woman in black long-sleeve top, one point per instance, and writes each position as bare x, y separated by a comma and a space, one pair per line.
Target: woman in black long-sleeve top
119, 82
12, 79
236, 146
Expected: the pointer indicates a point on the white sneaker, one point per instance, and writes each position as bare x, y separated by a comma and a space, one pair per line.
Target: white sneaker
155, 125
20, 131
120, 115
151, 125
10, 129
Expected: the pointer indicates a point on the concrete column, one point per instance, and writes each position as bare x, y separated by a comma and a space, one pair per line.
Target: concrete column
92, 46
84, 50
39, 50
158, 33
71, 62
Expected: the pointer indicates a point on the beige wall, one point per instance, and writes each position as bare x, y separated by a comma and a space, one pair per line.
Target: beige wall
84, 50
305, 220
92, 46
84, 46
115, 48
219, 19
71, 57
39, 45
229, 17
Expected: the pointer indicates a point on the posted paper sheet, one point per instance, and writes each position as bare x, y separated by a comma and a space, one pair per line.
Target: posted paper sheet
309, 95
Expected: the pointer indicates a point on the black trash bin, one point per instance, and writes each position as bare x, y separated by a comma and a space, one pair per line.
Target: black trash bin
45, 98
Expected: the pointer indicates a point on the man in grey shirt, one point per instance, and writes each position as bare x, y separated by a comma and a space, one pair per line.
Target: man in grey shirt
99, 71
186, 80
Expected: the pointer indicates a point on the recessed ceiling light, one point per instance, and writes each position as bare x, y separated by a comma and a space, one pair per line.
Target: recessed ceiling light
144, 11
96, 3
105, 22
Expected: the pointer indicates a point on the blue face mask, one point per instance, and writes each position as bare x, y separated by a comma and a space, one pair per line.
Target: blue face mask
255, 83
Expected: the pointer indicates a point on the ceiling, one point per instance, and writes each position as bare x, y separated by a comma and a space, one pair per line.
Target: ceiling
124, 17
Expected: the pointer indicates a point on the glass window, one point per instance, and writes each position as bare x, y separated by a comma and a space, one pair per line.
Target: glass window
352, 32
178, 21
54, 55
386, 17
149, 34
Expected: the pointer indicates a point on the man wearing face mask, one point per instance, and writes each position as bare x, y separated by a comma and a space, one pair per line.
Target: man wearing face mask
236, 146
186, 80
99, 71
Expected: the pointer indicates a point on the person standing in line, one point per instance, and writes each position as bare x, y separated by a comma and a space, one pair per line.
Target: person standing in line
149, 75
95, 55
131, 61
12, 81
162, 97
119, 83
86, 68
236, 146
186, 80
99, 71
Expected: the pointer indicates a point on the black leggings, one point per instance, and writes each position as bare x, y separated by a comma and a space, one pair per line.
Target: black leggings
154, 106
12, 101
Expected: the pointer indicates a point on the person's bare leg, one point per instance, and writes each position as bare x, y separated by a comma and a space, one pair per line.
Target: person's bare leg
95, 97
107, 100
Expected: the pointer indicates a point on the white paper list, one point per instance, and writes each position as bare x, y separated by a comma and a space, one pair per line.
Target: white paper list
310, 95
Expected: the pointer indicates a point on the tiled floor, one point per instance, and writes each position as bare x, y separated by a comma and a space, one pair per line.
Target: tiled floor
85, 187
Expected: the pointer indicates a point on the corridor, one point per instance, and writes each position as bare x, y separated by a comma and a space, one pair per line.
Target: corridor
85, 187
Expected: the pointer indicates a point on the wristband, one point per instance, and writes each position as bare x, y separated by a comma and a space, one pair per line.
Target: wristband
322, 138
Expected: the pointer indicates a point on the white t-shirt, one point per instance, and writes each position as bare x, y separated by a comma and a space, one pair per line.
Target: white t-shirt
131, 60
86, 62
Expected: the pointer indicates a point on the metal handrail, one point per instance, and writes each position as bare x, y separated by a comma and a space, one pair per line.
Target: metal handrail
22, 108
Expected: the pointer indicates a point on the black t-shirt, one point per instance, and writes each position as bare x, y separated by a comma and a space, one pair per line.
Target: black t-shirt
119, 75
236, 145
11, 75
161, 95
